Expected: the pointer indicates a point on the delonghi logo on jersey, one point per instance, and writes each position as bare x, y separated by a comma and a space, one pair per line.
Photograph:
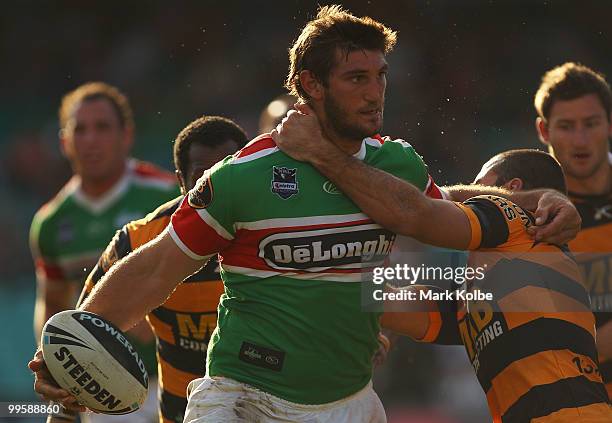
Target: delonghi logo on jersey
284, 182
201, 195
108, 335
317, 250
330, 188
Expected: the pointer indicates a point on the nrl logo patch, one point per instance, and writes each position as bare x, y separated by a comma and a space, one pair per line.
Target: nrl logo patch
201, 195
284, 182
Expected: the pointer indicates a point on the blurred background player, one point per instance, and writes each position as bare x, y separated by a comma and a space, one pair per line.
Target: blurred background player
107, 190
575, 122
184, 323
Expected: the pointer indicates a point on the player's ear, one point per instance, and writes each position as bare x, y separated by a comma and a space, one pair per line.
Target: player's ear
542, 128
311, 84
181, 181
514, 184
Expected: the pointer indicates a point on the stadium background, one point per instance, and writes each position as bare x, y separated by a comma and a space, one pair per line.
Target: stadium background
461, 88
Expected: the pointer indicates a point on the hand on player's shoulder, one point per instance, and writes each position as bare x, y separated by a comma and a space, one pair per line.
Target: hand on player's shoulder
299, 134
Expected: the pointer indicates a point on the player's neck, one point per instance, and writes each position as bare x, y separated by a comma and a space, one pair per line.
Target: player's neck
348, 145
96, 188
598, 184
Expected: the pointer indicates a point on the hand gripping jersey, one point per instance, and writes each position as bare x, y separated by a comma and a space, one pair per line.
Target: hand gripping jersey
291, 249
533, 345
595, 239
183, 324
69, 233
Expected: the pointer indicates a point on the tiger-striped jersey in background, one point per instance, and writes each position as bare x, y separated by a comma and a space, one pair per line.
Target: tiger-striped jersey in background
533, 345
595, 242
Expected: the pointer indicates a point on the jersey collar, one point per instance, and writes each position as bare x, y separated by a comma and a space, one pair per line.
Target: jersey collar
108, 199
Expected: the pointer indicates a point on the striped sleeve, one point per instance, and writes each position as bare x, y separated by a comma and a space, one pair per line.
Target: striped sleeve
495, 222
434, 191
403, 161
203, 224
442, 327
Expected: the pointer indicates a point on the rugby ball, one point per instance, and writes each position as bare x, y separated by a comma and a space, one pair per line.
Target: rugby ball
93, 360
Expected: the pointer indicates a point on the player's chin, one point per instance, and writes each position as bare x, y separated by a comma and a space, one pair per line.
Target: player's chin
581, 169
369, 126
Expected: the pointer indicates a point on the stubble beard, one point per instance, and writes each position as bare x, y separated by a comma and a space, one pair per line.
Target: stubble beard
336, 118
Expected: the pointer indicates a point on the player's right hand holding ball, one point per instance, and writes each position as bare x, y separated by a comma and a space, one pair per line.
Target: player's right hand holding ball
47, 388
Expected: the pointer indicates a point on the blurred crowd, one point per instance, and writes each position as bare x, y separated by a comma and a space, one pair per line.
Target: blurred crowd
461, 87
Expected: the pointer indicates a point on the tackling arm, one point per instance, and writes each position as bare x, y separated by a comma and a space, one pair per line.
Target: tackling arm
159, 265
395, 204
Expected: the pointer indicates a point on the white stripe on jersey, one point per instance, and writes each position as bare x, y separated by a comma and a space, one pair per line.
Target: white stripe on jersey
212, 222
373, 142
184, 248
333, 277
400, 141
301, 221
256, 155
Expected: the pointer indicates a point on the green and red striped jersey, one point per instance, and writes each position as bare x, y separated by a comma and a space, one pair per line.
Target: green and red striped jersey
292, 249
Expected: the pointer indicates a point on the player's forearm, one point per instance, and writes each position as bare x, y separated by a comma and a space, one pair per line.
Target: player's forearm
397, 204
526, 199
529, 199
393, 203
410, 317
121, 296
461, 193
137, 284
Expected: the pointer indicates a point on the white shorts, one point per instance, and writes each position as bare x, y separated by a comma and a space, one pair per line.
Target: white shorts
148, 413
219, 399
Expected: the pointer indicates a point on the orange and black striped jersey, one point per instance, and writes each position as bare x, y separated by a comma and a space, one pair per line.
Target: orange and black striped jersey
533, 345
183, 324
594, 247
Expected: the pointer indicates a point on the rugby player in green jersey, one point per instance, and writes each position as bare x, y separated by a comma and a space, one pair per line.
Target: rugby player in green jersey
183, 324
292, 343
106, 191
